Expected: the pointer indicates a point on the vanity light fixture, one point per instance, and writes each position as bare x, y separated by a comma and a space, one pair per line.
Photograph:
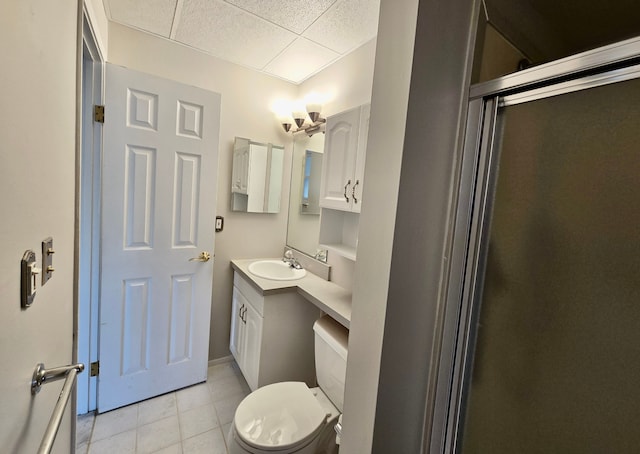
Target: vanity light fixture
306, 118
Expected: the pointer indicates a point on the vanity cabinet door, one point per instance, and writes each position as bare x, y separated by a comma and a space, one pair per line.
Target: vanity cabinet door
246, 337
237, 325
252, 345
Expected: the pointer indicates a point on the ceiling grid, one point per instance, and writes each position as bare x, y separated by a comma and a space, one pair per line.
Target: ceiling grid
289, 39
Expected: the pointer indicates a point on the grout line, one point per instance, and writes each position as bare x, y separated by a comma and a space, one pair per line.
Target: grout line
179, 421
135, 444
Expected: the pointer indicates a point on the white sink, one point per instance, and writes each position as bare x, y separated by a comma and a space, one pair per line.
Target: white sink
276, 270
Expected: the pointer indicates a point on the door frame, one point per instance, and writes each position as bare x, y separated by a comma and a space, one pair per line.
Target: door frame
88, 205
472, 208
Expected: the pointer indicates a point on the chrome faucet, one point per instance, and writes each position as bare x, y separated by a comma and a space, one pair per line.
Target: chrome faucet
291, 260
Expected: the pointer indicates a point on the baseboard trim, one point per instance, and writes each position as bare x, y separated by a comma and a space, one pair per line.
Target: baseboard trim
224, 359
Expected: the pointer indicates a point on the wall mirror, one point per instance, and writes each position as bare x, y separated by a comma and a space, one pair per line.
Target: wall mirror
256, 180
304, 209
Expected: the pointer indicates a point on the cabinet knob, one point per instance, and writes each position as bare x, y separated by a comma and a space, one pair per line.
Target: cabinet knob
346, 197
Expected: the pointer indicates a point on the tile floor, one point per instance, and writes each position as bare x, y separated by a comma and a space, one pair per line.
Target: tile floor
189, 421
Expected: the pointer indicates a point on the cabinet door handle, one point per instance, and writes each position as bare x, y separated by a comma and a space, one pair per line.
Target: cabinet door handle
244, 319
240, 311
353, 192
345, 190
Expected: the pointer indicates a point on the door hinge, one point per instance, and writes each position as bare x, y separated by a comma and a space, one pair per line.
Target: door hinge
98, 114
94, 369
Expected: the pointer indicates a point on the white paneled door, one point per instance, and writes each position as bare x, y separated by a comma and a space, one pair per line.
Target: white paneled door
159, 194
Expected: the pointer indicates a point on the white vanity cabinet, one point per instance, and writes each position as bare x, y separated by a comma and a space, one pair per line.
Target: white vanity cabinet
345, 146
272, 335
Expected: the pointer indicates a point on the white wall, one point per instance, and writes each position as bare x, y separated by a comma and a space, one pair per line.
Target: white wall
247, 97
348, 81
37, 187
393, 67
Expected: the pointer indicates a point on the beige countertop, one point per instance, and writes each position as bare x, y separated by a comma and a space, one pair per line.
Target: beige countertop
329, 297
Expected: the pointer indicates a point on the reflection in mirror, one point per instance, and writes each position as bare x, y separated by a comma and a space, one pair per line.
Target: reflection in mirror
312, 169
304, 211
256, 181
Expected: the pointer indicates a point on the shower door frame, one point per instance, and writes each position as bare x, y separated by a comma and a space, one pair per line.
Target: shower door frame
472, 211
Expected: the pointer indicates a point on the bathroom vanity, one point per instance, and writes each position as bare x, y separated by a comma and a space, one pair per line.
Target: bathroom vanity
272, 324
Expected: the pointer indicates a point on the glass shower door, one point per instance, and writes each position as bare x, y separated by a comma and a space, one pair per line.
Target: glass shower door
556, 366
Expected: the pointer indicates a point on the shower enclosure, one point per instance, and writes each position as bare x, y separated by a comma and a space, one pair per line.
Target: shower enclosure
546, 357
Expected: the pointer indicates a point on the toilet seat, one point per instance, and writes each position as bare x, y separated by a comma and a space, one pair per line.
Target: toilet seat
279, 417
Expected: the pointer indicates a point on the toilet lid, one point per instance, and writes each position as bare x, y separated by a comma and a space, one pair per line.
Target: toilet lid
279, 416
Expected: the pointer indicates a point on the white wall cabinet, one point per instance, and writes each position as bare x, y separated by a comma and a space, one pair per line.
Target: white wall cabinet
272, 335
345, 149
240, 169
342, 180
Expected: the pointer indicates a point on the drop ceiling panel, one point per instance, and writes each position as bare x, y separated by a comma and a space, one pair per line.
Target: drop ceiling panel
294, 15
300, 60
155, 16
231, 33
285, 38
346, 25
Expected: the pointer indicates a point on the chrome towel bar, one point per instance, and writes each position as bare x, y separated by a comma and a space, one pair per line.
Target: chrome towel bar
42, 376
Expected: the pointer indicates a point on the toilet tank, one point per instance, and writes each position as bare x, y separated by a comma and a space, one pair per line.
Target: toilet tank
331, 340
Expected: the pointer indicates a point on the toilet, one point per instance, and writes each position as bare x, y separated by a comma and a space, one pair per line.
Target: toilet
290, 417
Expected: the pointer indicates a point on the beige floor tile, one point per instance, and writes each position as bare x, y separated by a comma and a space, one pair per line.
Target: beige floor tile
122, 443
158, 435
225, 387
203, 408
192, 397
210, 442
157, 408
197, 420
226, 408
224, 370
84, 427
114, 422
